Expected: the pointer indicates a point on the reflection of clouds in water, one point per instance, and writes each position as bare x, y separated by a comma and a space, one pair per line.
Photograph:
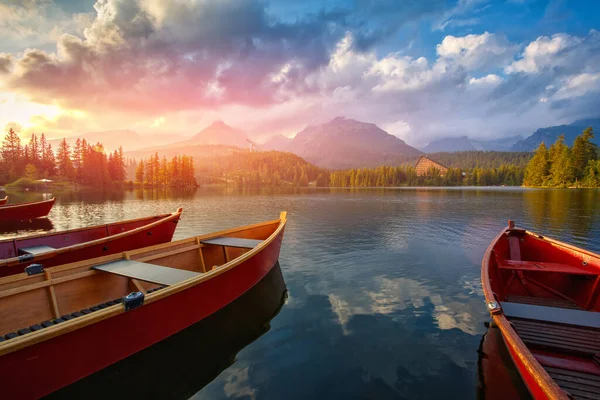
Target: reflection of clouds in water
393, 295
236, 383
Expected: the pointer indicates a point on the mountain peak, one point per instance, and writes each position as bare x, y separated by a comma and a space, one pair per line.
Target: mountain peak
347, 143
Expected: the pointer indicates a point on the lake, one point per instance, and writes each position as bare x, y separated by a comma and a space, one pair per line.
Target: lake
384, 294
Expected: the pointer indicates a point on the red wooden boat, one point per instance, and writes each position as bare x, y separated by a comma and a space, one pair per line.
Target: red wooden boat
25, 211
544, 297
75, 319
4, 201
64, 247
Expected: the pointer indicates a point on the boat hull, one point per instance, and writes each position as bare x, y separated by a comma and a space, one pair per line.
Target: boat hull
26, 211
81, 352
4, 201
161, 233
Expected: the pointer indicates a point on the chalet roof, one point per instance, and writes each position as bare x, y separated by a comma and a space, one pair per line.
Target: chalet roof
432, 160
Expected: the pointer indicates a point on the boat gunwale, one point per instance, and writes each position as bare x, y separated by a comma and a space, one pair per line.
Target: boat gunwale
83, 228
8, 262
548, 386
28, 203
32, 338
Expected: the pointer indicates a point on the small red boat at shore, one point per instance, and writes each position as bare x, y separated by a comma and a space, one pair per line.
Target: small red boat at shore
544, 296
73, 245
26, 211
73, 320
4, 201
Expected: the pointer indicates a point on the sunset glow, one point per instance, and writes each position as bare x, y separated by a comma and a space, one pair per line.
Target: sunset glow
272, 67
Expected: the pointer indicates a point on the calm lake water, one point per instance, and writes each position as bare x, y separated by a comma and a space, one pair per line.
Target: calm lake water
384, 298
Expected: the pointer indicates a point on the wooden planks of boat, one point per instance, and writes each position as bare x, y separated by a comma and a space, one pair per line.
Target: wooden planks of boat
75, 319
25, 211
73, 245
4, 201
544, 295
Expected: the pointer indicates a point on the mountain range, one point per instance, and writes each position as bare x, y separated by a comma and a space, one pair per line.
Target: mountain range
550, 134
345, 143
464, 143
338, 144
527, 143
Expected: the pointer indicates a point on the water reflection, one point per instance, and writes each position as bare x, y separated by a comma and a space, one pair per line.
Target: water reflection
19, 228
385, 294
498, 378
182, 364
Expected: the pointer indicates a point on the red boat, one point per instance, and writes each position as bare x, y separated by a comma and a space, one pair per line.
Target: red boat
25, 211
64, 247
72, 320
4, 201
544, 295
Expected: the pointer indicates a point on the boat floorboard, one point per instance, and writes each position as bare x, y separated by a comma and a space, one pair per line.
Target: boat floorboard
578, 341
577, 384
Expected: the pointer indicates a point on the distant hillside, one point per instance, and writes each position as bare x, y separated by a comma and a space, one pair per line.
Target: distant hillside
465, 143
481, 159
462, 143
550, 134
128, 139
346, 143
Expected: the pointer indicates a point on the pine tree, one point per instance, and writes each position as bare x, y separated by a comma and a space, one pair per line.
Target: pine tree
561, 169
11, 155
139, 173
538, 169
64, 162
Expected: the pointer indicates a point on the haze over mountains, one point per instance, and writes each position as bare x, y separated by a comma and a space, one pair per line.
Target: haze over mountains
550, 134
530, 142
338, 144
128, 139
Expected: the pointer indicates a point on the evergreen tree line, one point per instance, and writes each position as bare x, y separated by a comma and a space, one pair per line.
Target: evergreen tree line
155, 171
254, 169
562, 166
85, 163
481, 159
385, 176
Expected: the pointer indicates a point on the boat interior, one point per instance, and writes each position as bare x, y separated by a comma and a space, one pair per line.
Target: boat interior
550, 294
55, 295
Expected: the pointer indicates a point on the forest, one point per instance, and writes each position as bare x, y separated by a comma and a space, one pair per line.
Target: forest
254, 169
85, 163
509, 175
564, 166
89, 164
155, 171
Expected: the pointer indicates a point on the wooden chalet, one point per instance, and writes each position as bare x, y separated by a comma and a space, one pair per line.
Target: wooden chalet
425, 164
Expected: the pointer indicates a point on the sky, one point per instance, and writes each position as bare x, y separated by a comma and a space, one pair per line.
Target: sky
421, 70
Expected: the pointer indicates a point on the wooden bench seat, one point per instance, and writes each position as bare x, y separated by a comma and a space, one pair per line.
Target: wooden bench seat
541, 266
542, 301
146, 272
233, 242
562, 338
557, 315
35, 250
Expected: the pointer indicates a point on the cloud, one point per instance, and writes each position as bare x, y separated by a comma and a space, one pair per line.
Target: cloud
166, 66
6, 62
488, 80
36, 23
476, 51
